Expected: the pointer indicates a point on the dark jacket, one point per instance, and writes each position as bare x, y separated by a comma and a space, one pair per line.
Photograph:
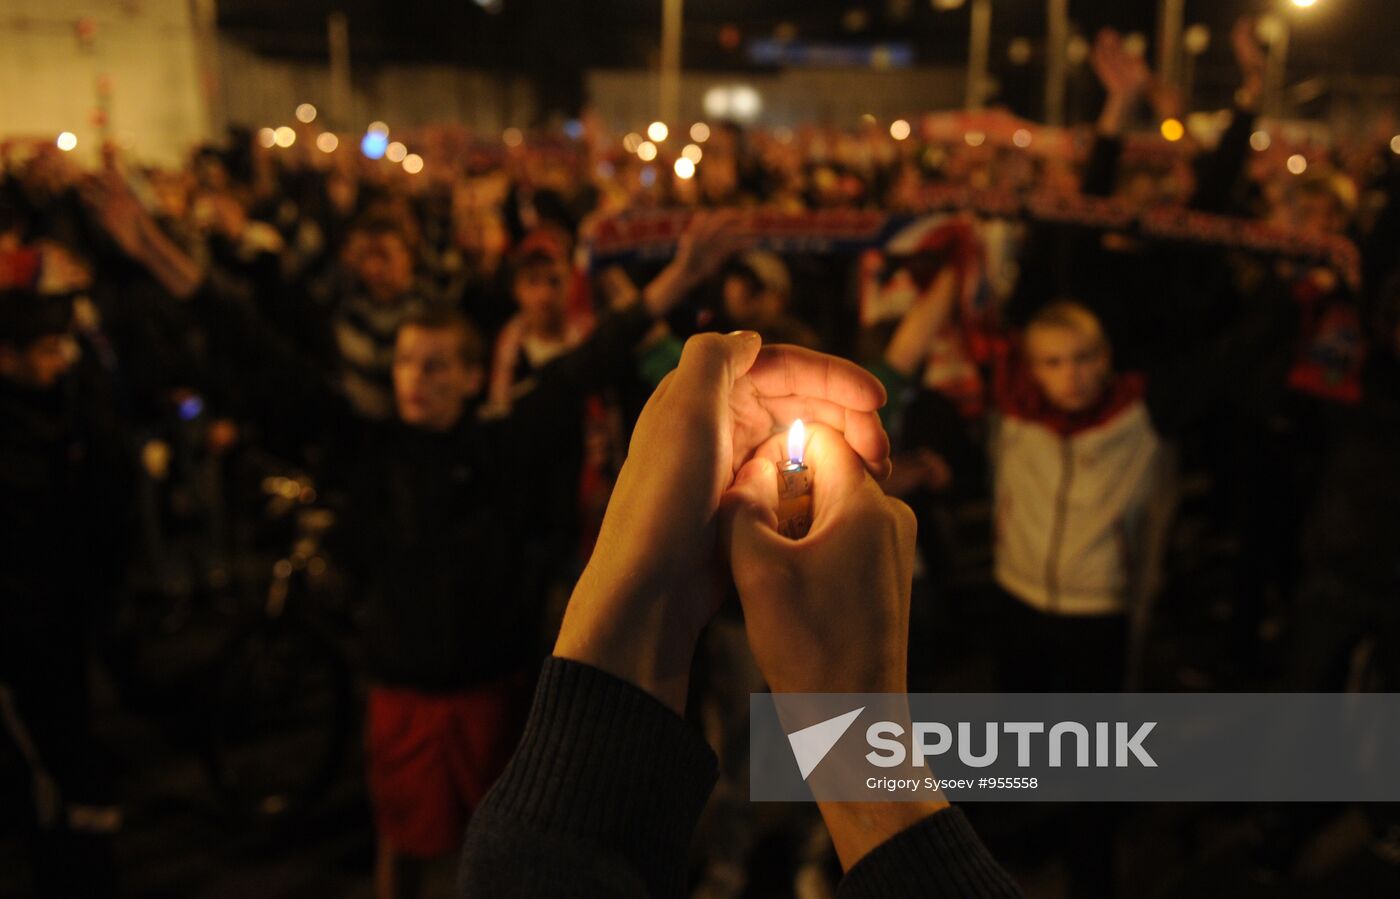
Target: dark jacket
438, 525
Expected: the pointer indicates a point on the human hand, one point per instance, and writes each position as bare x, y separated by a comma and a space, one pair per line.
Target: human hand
640, 604
709, 240
828, 613
1121, 73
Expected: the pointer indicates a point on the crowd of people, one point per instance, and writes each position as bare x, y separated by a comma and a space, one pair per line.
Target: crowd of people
442, 352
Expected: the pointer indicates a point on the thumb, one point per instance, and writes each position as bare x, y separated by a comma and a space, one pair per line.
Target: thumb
748, 513
711, 361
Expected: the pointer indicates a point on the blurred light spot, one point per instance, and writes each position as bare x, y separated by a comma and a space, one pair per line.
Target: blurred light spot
67, 140
1297, 164
1259, 140
693, 152
631, 142
1172, 129
373, 144
512, 137
699, 132
975, 138
395, 152
648, 176
658, 131
1019, 51
684, 168
899, 129
306, 113
267, 137
646, 152
1021, 138
285, 136
1395, 144
573, 129
327, 142
378, 128
413, 163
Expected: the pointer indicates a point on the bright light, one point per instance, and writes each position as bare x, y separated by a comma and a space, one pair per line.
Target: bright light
512, 137
1021, 138
1297, 164
975, 138
413, 163
685, 169
284, 136
396, 152
797, 442
739, 101
692, 152
1173, 130
631, 142
699, 132
1077, 50
67, 141
1395, 145
646, 151
373, 144
745, 103
378, 128
658, 131
899, 129
306, 113
1260, 141
267, 137
1304, 4
1196, 40
327, 142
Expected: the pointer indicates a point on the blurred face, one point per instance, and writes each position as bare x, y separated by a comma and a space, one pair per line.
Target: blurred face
1070, 366
742, 298
431, 382
384, 266
41, 364
540, 294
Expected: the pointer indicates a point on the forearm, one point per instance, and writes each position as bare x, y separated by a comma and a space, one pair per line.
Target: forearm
171, 266
599, 800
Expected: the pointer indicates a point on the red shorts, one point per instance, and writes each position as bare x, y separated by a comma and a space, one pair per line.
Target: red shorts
432, 757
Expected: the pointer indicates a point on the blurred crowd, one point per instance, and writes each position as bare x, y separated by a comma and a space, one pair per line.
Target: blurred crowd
436, 348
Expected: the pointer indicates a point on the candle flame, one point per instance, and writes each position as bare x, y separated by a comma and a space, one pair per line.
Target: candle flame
797, 442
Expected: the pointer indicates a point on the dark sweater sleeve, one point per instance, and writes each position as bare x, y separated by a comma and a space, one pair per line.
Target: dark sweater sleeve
939, 857
1101, 169
599, 800
1218, 171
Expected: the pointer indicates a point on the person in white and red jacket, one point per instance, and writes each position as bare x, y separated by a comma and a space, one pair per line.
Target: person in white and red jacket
1083, 492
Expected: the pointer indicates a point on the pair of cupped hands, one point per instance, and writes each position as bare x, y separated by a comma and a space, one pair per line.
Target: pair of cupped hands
696, 504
